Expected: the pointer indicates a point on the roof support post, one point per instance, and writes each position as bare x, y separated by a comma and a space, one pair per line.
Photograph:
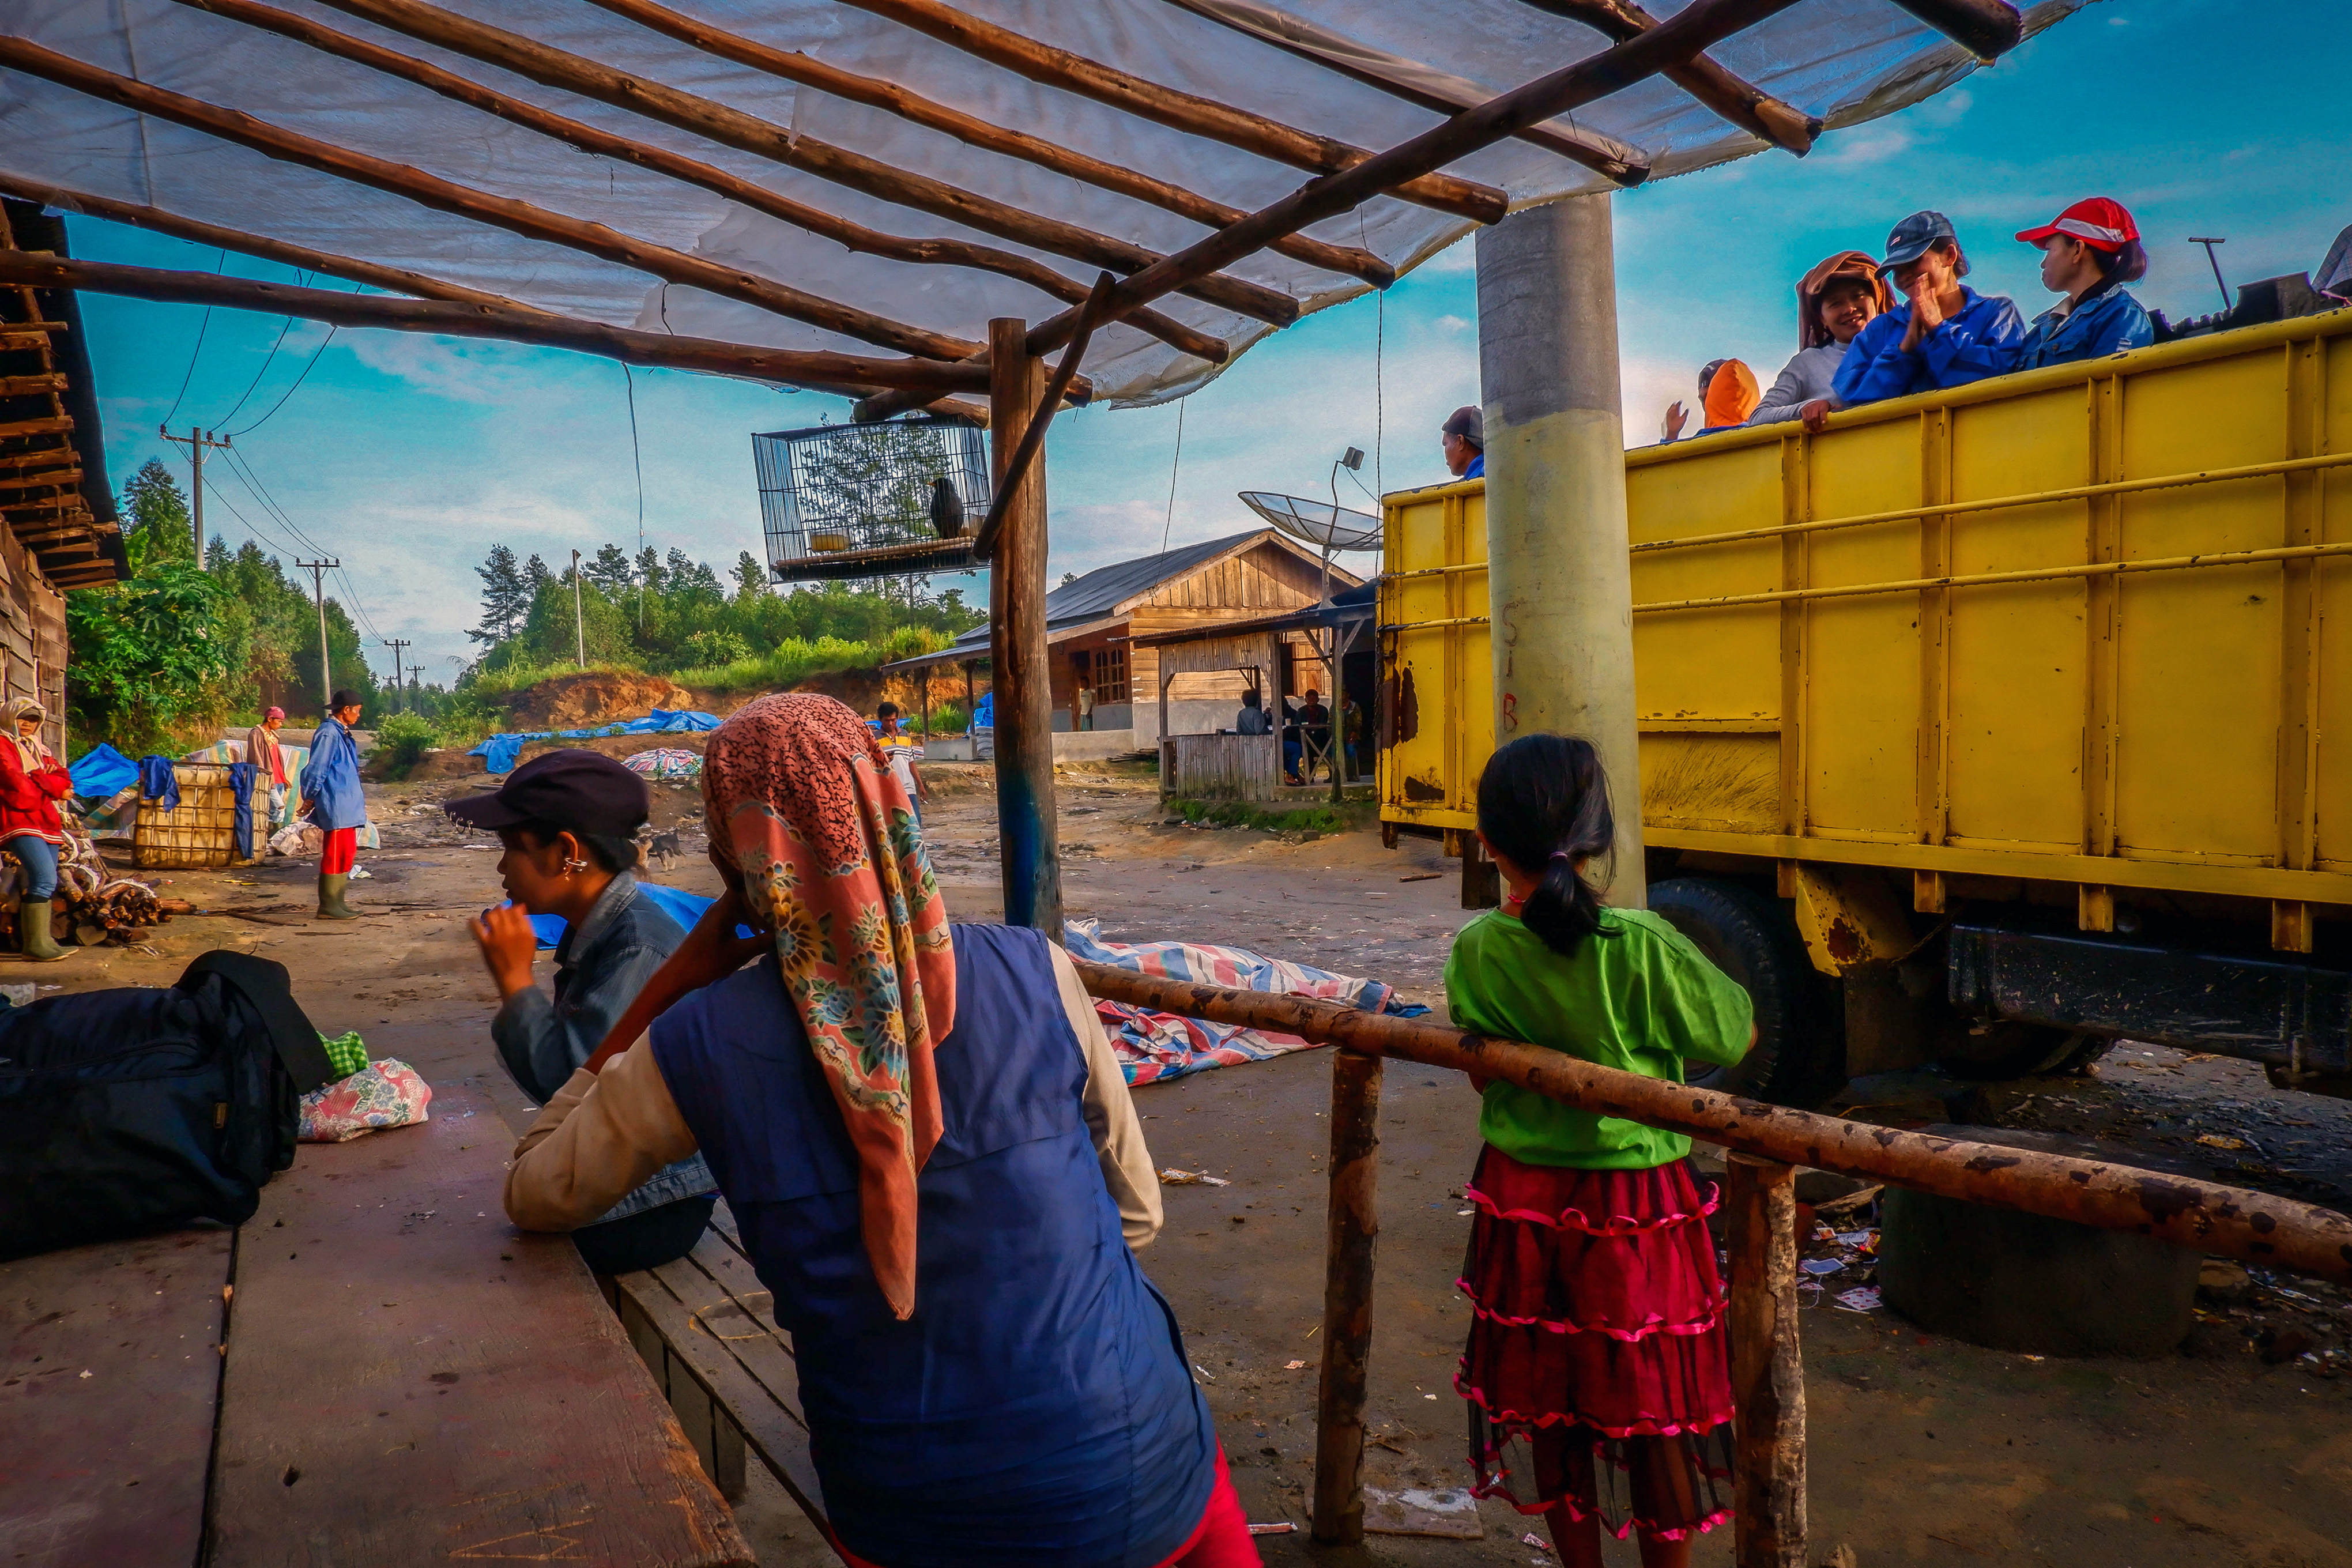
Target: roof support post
1559, 575
1026, 821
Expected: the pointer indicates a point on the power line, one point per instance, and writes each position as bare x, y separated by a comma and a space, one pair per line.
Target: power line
302, 376
202, 327
252, 482
269, 359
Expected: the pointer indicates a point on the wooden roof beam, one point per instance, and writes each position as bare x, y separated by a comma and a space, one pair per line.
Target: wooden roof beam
818, 369
399, 280
482, 206
1697, 26
734, 128
799, 65
29, 386
1621, 164
1744, 105
1182, 112
1986, 29
604, 143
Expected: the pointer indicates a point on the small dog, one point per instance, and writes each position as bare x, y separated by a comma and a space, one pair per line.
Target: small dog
664, 847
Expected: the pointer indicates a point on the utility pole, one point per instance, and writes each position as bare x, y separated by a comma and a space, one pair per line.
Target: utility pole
578, 625
195, 441
2209, 242
395, 644
319, 570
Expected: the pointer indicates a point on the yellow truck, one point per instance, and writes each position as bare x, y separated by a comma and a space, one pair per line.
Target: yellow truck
1984, 727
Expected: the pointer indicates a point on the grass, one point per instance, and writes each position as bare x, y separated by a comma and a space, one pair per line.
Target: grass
796, 659
1314, 819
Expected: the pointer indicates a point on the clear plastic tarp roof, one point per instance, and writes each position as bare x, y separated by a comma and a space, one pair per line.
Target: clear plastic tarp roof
1843, 60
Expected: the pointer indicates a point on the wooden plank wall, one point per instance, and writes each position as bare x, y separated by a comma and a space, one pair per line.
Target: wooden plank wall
1265, 580
33, 653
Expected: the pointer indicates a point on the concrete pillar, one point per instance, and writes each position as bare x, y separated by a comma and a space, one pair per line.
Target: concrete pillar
1557, 571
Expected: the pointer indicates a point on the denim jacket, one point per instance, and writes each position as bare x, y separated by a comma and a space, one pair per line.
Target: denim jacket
600, 966
2107, 322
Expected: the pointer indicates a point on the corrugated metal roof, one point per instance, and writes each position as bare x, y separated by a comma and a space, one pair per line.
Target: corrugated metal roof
1100, 591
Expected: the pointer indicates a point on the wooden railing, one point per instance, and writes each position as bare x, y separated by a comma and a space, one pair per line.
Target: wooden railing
1764, 1144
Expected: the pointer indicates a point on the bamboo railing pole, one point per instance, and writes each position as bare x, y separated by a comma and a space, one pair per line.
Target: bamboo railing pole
1352, 1238
1768, 1368
2232, 1221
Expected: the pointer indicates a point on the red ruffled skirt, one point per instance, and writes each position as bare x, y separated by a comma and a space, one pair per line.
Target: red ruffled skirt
1598, 1324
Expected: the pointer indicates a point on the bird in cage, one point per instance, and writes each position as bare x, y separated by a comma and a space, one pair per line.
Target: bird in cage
947, 508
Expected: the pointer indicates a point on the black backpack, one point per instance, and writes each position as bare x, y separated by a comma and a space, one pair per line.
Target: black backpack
138, 1109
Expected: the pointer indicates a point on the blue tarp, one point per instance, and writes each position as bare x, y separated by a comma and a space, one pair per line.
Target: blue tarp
984, 712
679, 905
101, 771
500, 752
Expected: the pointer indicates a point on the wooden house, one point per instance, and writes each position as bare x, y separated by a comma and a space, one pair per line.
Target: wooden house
60, 531
1092, 626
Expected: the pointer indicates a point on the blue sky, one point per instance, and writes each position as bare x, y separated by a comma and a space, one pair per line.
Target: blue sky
408, 458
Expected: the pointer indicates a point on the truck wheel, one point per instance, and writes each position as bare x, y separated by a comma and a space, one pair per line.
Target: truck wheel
1751, 938
2007, 1048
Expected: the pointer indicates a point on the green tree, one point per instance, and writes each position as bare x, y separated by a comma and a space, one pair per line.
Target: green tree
751, 577
158, 508
612, 572
148, 655
536, 575
506, 597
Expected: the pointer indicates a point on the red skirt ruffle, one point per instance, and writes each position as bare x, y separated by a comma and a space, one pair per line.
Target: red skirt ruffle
1597, 1335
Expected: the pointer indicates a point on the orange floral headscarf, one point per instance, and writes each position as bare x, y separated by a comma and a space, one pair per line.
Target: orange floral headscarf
799, 799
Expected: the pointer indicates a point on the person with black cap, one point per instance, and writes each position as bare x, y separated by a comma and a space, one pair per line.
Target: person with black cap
568, 820
1463, 438
1940, 334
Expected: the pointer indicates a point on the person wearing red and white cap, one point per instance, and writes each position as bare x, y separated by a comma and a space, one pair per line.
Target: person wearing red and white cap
2088, 253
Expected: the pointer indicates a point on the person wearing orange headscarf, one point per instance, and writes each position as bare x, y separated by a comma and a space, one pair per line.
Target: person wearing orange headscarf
882, 1088
1834, 301
1730, 397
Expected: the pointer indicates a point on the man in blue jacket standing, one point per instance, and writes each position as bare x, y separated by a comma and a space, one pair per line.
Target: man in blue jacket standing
1941, 334
333, 800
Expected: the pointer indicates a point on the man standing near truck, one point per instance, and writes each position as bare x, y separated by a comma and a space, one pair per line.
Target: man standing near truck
1463, 438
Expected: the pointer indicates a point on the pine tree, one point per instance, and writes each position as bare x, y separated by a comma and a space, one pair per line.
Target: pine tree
536, 575
506, 596
751, 578
611, 572
216, 554
159, 513
649, 571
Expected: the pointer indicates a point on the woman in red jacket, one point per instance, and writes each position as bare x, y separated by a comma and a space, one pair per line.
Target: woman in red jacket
32, 781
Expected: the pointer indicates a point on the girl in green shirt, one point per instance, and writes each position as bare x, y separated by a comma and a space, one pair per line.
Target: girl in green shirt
1597, 1312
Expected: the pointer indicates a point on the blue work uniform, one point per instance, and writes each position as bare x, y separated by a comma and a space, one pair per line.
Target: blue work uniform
1477, 468
1981, 341
1036, 1409
2108, 322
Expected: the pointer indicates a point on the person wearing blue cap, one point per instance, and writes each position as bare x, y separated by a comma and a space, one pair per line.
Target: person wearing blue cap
1942, 334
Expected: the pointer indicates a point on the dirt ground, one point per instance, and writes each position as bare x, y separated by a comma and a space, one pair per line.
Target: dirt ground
1923, 1449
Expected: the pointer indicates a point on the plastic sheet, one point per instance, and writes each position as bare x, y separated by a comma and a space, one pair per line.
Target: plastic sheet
1846, 61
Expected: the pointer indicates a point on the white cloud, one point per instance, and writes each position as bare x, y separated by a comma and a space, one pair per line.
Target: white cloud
460, 370
1452, 323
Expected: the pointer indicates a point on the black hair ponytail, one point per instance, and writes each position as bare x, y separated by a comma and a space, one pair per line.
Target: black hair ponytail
1543, 804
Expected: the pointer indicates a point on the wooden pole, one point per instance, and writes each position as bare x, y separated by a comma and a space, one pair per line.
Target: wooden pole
1743, 104
2278, 1232
1767, 1369
1026, 821
1183, 111
970, 705
1988, 28
803, 67
599, 143
1351, 1241
800, 367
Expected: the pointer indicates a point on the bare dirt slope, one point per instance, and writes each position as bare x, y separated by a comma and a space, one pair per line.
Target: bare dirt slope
1924, 1451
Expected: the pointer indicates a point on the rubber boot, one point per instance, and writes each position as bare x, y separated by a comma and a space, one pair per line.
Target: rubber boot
33, 924
330, 898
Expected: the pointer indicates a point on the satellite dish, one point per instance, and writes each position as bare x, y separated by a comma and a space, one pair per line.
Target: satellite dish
1319, 523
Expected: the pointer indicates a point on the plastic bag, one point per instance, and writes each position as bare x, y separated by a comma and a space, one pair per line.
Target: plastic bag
388, 1093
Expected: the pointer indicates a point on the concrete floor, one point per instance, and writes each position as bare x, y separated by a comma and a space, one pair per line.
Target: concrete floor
1923, 1450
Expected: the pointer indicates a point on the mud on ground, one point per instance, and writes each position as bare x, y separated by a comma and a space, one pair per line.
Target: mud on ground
1923, 1450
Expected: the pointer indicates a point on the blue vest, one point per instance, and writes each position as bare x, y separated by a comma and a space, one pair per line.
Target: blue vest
1037, 1408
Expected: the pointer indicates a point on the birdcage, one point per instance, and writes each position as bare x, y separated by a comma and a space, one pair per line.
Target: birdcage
897, 499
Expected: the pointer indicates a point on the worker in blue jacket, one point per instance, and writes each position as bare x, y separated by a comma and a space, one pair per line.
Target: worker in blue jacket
1941, 332
333, 801
2088, 253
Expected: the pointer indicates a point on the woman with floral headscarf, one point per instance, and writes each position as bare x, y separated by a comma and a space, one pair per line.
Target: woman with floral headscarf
32, 782
881, 1086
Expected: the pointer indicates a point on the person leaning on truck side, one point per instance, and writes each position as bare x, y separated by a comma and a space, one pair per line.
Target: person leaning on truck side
1941, 333
2088, 253
1834, 301
1463, 438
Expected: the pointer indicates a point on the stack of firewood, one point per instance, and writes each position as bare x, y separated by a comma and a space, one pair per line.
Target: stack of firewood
117, 912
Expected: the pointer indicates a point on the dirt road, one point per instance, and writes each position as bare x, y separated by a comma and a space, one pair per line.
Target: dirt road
1924, 1450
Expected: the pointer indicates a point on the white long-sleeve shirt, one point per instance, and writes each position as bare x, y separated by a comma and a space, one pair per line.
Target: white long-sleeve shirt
1802, 379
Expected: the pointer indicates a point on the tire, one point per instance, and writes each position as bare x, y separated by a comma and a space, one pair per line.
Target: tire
2007, 1048
1752, 939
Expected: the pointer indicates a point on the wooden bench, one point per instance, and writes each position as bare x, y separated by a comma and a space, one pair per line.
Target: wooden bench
704, 1328
406, 1379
